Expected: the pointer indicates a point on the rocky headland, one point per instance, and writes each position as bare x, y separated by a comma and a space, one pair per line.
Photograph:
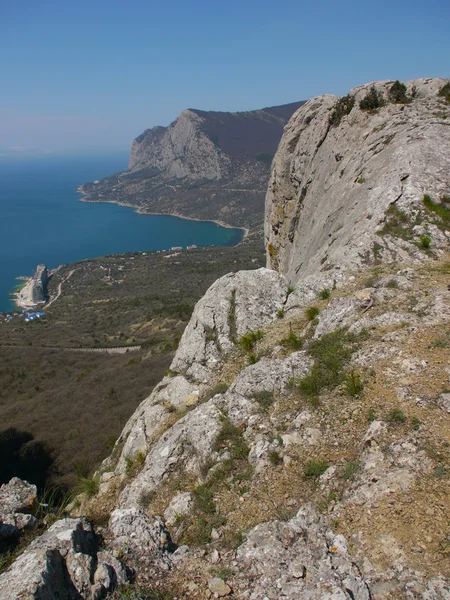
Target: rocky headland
299, 445
204, 165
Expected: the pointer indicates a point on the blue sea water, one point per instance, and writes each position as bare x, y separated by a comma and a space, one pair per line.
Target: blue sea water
42, 220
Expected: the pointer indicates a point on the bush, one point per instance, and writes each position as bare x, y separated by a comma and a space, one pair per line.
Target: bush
249, 339
397, 93
350, 470
342, 107
324, 294
371, 415
311, 312
353, 384
396, 416
440, 210
373, 100
425, 242
315, 468
444, 92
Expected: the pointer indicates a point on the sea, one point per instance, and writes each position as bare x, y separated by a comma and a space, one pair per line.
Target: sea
43, 221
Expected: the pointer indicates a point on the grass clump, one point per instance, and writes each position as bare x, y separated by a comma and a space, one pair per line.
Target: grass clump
372, 100
281, 312
275, 458
220, 388
441, 211
264, 399
312, 312
397, 224
330, 353
371, 415
88, 486
342, 108
350, 470
292, 341
230, 437
424, 242
315, 468
290, 289
396, 417
324, 294
249, 339
353, 384
416, 423
392, 284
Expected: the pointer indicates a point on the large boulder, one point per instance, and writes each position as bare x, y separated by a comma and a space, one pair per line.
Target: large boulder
63, 563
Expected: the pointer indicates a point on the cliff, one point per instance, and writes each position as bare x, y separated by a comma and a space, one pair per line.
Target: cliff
205, 165
298, 447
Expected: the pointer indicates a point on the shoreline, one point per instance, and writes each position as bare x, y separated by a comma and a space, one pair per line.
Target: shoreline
142, 211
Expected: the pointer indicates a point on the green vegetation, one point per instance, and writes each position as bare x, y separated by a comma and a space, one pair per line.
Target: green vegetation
350, 470
88, 486
397, 93
416, 423
444, 92
392, 284
425, 242
275, 458
249, 339
396, 417
311, 312
372, 100
120, 300
315, 468
220, 388
324, 294
360, 180
290, 289
264, 399
281, 312
371, 415
330, 353
398, 224
353, 384
342, 107
292, 341
230, 437
441, 211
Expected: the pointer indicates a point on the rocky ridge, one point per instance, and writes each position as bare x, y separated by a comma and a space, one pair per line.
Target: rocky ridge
298, 447
204, 165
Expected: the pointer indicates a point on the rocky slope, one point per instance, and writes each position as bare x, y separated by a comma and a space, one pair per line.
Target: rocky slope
205, 165
299, 445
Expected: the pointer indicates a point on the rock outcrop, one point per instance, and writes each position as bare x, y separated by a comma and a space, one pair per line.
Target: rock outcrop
299, 445
17, 500
205, 165
333, 183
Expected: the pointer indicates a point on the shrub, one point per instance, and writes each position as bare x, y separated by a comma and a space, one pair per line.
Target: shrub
392, 284
372, 100
415, 423
396, 416
324, 294
371, 415
281, 313
342, 107
315, 468
440, 210
311, 312
397, 224
353, 384
425, 242
444, 92
292, 341
397, 93
249, 339
88, 486
264, 399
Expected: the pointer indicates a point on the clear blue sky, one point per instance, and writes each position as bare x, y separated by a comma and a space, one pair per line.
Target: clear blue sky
85, 74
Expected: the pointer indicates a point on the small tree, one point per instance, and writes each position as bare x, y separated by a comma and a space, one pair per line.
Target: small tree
397, 93
373, 100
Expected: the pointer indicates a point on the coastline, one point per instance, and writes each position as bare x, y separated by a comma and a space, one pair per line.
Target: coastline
142, 211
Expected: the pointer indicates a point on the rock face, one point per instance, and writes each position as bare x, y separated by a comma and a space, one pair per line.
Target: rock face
207, 165
63, 563
17, 499
332, 184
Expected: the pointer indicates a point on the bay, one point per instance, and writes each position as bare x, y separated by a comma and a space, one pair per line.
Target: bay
43, 221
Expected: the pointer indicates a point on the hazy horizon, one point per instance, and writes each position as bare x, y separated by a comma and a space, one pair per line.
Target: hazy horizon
91, 76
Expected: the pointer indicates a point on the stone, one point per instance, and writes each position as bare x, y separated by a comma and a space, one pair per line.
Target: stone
60, 563
179, 506
218, 587
17, 496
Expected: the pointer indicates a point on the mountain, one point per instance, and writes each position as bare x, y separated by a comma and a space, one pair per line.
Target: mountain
299, 445
205, 165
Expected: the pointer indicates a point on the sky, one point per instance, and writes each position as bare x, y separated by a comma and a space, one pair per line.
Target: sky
92, 75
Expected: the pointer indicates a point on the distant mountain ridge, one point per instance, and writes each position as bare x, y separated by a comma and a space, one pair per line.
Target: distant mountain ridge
204, 165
